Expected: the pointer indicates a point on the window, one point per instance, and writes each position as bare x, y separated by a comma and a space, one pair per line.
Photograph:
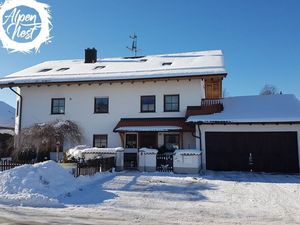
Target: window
18, 107
171, 103
45, 70
166, 64
99, 67
101, 105
63, 69
148, 103
100, 141
172, 141
58, 106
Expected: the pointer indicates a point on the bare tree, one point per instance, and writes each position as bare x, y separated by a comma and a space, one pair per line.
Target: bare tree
40, 139
269, 89
225, 93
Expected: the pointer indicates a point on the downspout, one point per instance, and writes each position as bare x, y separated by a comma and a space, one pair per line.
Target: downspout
20, 109
200, 143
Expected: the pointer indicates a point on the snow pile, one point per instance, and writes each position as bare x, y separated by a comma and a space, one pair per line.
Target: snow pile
37, 185
7, 115
81, 151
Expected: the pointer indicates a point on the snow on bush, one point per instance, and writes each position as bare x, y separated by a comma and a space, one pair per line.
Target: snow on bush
38, 185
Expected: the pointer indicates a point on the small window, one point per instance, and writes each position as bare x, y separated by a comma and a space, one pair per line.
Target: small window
99, 67
166, 64
45, 70
101, 105
63, 69
100, 141
58, 106
148, 103
171, 103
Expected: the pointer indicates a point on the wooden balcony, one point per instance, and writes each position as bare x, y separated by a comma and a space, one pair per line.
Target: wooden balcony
208, 106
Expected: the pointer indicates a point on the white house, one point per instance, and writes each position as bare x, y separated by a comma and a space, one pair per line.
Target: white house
159, 101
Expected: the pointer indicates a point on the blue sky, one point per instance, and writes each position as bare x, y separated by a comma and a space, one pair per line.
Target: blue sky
260, 39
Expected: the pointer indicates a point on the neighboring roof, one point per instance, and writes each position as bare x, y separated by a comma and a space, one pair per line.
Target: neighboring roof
7, 116
255, 109
7, 131
153, 66
153, 124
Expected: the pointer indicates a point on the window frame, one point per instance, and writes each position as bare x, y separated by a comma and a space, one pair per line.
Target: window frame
100, 135
178, 107
52, 105
98, 112
141, 104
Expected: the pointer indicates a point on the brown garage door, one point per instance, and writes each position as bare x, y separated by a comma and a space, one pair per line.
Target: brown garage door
271, 151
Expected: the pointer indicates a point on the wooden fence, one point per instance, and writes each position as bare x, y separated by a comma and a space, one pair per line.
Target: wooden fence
7, 165
90, 167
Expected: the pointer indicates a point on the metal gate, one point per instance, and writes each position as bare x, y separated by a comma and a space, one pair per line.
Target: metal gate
164, 162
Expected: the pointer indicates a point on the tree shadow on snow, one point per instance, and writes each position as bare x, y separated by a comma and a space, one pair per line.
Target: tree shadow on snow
91, 194
252, 177
165, 186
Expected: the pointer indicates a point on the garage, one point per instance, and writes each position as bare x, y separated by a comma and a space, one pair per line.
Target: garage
259, 151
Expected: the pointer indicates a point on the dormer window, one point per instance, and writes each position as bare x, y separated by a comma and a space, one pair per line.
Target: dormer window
99, 67
166, 64
63, 69
45, 70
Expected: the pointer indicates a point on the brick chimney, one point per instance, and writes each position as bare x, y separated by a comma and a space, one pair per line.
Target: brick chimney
90, 55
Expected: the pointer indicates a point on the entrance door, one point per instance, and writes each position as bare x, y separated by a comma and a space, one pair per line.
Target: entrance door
130, 155
148, 140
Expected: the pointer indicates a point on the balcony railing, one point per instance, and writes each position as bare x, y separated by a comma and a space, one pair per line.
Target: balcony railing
208, 106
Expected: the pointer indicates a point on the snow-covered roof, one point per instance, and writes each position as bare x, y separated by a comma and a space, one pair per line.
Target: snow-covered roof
7, 131
109, 69
148, 151
188, 152
255, 109
7, 115
148, 128
80, 151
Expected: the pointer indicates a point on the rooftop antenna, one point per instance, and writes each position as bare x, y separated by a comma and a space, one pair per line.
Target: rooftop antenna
133, 47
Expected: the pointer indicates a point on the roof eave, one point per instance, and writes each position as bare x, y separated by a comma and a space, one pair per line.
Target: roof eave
20, 84
244, 122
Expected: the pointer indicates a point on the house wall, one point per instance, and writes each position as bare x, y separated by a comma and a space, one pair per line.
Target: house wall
243, 128
124, 102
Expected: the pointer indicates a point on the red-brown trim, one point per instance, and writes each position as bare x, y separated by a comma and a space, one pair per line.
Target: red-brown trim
157, 121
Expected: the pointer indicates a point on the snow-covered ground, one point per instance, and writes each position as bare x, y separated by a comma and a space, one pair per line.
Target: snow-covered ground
165, 198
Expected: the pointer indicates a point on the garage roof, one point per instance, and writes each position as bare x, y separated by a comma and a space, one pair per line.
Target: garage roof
254, 109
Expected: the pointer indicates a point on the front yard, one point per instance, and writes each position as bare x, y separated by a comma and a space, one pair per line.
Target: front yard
164, 198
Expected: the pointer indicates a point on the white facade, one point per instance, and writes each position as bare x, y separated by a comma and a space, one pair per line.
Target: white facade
242, 128
124, 102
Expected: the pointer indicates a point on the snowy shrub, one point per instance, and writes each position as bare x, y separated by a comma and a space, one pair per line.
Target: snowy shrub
42, 138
